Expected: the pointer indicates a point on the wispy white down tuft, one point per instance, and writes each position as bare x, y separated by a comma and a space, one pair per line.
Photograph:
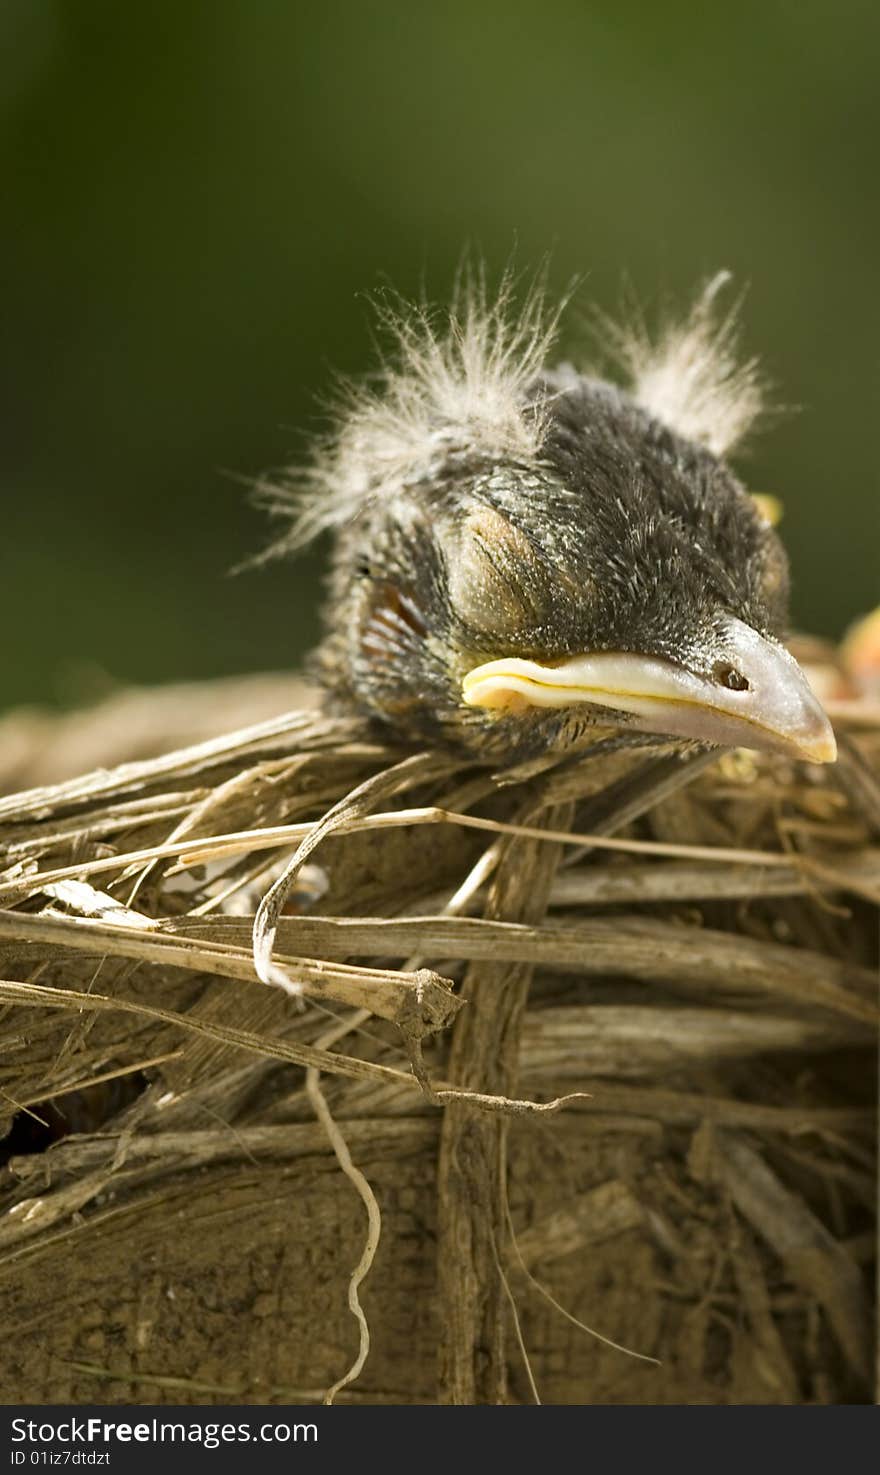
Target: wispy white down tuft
690, 377
452, 382
461, 382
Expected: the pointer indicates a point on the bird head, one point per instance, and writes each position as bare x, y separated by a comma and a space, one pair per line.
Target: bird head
524, 554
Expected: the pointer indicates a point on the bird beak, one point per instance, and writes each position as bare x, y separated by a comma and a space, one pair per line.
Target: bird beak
758, 696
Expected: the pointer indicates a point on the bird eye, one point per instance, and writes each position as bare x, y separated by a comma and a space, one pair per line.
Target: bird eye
494, 575
727, 675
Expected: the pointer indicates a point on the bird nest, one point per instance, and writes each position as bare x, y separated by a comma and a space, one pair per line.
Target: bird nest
562, 1085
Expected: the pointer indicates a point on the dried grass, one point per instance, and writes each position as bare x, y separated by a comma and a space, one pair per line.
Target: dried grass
686, 944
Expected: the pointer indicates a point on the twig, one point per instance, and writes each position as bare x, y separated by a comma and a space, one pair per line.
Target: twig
362, 1187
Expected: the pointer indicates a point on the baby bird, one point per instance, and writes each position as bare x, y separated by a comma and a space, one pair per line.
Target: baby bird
525, 554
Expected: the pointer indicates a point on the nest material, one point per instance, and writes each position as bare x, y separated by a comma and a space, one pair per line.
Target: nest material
568, 1090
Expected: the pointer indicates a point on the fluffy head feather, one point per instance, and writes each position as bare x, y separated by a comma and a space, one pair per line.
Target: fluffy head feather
466, 384
690, 376
450, 384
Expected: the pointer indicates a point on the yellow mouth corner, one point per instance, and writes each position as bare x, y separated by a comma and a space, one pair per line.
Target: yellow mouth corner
511, 685
499, 683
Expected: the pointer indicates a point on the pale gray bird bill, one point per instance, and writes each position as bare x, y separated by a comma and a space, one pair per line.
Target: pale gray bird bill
769, 704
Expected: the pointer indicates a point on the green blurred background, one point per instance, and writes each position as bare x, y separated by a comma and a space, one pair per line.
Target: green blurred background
197, 195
